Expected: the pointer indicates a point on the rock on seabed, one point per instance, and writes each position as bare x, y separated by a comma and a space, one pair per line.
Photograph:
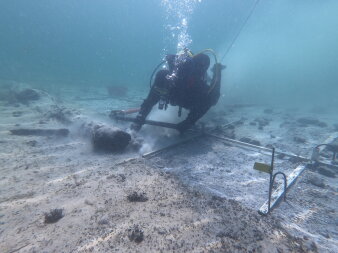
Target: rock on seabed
110, 139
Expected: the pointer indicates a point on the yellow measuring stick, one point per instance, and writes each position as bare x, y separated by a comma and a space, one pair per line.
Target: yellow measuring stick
262, 167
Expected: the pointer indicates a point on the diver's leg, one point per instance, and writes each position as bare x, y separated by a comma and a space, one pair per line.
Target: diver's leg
203, 104
159, 89
201, 107
194, 115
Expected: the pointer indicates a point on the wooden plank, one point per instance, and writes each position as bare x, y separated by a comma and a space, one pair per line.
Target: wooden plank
278, 193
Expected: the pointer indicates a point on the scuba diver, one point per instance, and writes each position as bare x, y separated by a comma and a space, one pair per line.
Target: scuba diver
184, 84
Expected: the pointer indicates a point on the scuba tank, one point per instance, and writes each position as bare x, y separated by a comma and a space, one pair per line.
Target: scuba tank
172, 62
179, 65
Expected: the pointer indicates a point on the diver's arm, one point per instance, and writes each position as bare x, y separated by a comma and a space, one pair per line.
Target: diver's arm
148, 103
146, 107
160, 85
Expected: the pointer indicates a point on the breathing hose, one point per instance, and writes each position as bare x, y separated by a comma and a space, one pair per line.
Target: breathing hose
209, 50
152, 74
241, 28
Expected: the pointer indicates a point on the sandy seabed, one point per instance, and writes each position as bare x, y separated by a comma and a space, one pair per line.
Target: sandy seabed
201, 196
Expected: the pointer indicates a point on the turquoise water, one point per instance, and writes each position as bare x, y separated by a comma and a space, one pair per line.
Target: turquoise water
279, 90
286, 53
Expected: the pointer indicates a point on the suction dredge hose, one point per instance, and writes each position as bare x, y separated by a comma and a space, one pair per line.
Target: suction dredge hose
208, 50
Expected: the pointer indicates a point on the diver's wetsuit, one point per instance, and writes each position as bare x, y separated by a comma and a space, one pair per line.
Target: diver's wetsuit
185, 85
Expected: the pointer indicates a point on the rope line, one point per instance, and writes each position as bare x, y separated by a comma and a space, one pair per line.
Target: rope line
240, 30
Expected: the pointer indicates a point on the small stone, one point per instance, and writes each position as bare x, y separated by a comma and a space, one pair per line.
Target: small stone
268, 111
295, 159
304, 122
17, 114
53, 216
313, 247
122, 177
250, 141
137, 197
326, 235
87, 202
316, 181
299, 140
326, 172
60, 114
135, 234
262, 122
103, 221
161, 231
281, 156
27, 95
32, 143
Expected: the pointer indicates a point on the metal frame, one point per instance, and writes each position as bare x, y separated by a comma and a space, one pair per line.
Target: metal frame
272, 176
316, 151
156, 152
300, 158
277, 194
272, 180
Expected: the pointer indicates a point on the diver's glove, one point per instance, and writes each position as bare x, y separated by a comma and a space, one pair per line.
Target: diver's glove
183, 126
217, 67
136, 126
